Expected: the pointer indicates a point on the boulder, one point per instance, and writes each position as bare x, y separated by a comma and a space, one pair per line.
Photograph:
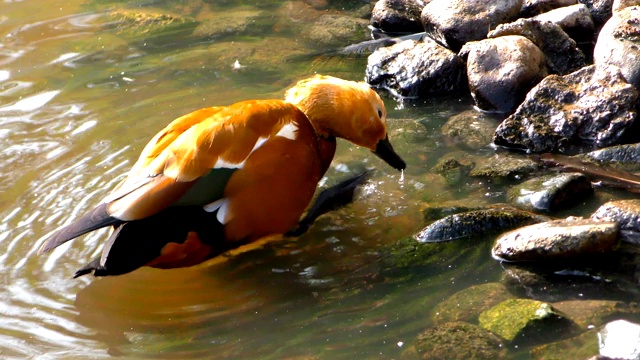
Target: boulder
600, 10
560, 51
471, 129
592, 107
397, 15
504, 166
619, 44
550, 192
621, 4
416, 68
535, 7
458, 341
575, 20
502, 70
620, 339
626, 213
556, 240
468, 304
453, 23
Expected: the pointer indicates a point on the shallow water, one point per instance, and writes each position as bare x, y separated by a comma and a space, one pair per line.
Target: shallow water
80, 97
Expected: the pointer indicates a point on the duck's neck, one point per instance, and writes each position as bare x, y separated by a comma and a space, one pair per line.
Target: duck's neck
327, 147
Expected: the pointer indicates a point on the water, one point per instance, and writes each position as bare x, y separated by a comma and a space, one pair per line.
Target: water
80, 95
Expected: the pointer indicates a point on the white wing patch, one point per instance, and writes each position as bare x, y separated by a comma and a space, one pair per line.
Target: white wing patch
222, 205
288, 131
222, 163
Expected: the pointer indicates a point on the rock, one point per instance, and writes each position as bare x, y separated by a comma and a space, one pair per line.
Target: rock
550, 192
472, 223
619, 44
592, 107
442, 209
628, 153
414, 69
583, 346
600, 10
466, 305
470, 128
555, 240
397, 15
452, 170
524, 319
458, 340
626, 213
241, 21
508, 166
593, 313
621, 4
575, 20
150, 25
534, 7
333, 30
560, 51
501, 71
453, 23
620, 339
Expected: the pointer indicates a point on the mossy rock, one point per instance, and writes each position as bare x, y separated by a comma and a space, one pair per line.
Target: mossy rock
590, 313
584, 346
468, 304
525, 320
458, 340
153, 25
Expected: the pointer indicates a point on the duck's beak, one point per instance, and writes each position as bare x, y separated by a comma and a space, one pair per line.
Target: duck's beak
385, 151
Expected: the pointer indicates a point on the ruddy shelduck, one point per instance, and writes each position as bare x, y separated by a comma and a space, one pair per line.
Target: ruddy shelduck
221, 177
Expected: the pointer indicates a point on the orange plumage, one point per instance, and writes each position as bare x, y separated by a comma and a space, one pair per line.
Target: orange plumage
223, 176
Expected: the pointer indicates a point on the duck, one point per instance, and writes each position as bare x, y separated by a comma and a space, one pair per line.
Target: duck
225, 176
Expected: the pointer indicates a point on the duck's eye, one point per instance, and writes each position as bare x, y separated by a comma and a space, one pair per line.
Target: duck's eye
380, 114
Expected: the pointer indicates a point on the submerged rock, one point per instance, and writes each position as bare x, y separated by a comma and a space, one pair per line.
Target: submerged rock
626, 213
583, 346
620, 339
470, 128
524, 319
592, 107
456, 22
502, 70
468, 304
560, 51
149, 24
476, 223
397, 15
619, 44
504, 166
628, 153
458, 340
452, 170
556, 239
594, 313
416, 68
550, 192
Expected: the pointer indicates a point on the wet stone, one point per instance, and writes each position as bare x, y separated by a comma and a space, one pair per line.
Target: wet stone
502, 70
468, 304
576, 21
455, 22
594, 313
518, 320
551, 192
458, 340
560, 51
452, 170
337, 30
442, 209
583, 347
600, 10
415, 69
556, 239
628, 153
504, 166
592, 107
397, 15
535, 7
626, 213
620, 339
471, 129
476, 223
151, 24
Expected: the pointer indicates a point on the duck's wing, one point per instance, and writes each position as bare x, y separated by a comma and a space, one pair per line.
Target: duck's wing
203, 146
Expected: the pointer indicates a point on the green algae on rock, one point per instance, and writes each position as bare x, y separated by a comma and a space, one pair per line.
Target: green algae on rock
524, 320
458, 340
468, 304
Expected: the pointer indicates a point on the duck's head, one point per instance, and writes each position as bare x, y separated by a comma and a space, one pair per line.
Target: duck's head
346, 109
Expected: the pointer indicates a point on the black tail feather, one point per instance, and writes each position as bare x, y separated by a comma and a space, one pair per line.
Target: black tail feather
93, 220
